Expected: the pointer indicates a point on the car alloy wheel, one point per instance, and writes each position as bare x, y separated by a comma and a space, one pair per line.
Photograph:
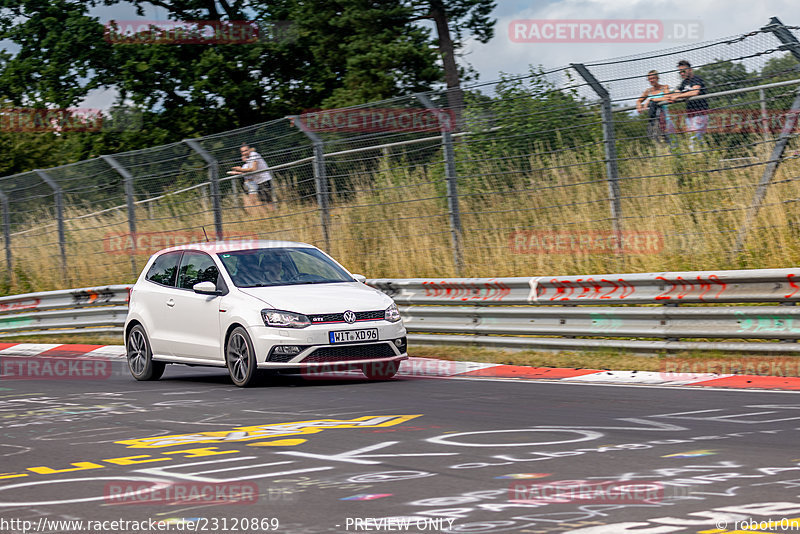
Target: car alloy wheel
240, 358
140, 357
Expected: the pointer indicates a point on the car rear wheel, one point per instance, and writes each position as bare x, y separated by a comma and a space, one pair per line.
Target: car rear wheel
240, 358
140, 357
380, 370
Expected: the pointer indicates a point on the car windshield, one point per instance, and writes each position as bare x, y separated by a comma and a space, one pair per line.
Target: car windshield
281, 266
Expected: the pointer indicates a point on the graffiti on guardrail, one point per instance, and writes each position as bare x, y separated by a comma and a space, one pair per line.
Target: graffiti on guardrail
790, 278
767, 323
492, 290
15, 322
688, 288
24, 304
587, 289
604, 322
703, 288
91, 296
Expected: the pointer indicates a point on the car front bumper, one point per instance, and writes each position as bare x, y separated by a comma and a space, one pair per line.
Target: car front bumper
316, 350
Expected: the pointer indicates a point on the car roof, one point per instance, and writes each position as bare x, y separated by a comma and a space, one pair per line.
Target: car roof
233, 246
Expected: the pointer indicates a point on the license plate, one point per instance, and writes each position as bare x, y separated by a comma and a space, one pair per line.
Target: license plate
353, 336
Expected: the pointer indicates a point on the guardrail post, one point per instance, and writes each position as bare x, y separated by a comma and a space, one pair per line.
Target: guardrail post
213, 178
59, 197
610, 147
7, 235
452, 182
769, 173
320, 177
128, 178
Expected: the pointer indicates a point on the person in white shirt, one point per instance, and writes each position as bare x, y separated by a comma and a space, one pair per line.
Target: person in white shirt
258, 185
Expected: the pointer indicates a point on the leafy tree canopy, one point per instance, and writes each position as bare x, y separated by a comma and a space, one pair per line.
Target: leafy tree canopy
320, 54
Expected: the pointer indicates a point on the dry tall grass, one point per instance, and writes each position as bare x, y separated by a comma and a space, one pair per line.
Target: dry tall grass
394, 221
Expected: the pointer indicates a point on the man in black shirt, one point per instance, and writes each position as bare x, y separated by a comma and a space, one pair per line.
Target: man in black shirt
697, 109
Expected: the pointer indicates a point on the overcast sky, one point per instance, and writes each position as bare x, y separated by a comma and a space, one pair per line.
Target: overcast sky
719, 18
714, 18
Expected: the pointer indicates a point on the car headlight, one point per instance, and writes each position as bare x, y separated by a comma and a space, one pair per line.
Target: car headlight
284, 319
392, 314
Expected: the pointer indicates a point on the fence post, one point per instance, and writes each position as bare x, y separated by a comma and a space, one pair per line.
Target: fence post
610, 147
128, 178
764, 117
769, 172
59, 197
213, 178
451, 178
787, 38
320, 177
7, 234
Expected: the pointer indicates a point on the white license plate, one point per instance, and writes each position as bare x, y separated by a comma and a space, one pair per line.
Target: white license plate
353, 336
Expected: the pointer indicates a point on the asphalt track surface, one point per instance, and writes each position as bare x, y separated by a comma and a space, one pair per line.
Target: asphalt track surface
306, 455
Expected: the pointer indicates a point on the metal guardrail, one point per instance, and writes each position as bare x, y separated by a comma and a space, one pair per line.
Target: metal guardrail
642, 312
69, 311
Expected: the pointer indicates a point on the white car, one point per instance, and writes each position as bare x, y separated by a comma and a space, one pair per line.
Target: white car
253, 305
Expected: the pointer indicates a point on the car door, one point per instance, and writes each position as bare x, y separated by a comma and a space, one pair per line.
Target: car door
152, 298
194, 319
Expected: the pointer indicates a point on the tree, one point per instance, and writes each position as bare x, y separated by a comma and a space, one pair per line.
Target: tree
342, 52
784, 67
724, 75
527, 115
315, 54
779, 100
346, 52
457, 18
58, 56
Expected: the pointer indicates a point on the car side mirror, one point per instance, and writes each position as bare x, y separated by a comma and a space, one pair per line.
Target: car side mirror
206, 288
360, 278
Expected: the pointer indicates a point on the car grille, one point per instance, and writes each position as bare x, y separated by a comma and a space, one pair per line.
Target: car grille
282, 358
350, 352
339, 317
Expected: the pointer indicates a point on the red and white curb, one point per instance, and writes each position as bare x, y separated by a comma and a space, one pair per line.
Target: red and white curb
430, 367
58, 350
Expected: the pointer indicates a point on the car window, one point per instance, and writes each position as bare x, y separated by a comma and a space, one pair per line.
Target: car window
164, 269
308, 261
281, 266
196, 267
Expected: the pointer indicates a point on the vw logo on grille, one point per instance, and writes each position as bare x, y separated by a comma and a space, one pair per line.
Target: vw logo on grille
349, 317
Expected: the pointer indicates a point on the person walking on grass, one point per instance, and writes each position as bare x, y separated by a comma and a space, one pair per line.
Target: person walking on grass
258, 185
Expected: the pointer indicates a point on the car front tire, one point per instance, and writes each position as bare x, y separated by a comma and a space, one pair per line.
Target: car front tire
240, 357
140, 357
380, 370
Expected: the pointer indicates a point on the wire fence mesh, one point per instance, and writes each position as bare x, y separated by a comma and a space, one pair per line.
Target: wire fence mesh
582, 168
